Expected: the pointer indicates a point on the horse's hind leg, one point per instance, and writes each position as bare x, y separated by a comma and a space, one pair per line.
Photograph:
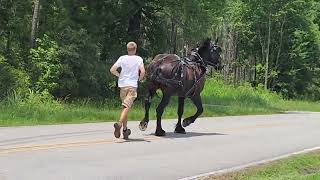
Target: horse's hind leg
179, 128
198, 103
147, 103
164, 102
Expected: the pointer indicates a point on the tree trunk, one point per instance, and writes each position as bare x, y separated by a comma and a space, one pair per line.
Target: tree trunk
244, 74
267, 55
262, 44
175, 40
8, 42
281, 39
6, 30
35, 23
235, 76
173, 36
280, 45
255, 72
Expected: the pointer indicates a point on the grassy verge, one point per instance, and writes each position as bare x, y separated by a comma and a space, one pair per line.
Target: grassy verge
218, 100
300, 167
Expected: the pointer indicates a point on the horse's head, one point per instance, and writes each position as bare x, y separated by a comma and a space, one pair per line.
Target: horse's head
210, 53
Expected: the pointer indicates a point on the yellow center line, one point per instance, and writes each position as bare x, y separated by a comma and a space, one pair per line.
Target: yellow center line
65, 145
38, 147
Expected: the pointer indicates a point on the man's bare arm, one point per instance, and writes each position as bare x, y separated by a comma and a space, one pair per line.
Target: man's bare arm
114, 71
142, 72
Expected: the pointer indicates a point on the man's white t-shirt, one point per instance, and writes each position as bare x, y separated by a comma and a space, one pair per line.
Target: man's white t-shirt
129, 74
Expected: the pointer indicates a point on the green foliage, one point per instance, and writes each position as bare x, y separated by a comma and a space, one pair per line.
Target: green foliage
234, 14
32, 108
294, 48
46, 66
243, 95
218, 99
12, 79
79, 41
82, 75
195, 21
32, 99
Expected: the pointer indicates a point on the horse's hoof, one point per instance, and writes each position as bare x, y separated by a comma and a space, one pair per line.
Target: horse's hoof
180, 130
160, 133
186, 123
143, 125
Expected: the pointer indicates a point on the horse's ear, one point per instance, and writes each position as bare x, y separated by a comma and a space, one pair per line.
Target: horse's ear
198, 44
217, 40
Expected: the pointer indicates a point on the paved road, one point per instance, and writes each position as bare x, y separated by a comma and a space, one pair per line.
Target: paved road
89, 151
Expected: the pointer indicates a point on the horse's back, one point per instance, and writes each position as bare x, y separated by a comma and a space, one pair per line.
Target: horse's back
159, 59
165, 57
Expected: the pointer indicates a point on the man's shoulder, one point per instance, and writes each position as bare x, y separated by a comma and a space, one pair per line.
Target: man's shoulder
135, 57
140, 58
123, 56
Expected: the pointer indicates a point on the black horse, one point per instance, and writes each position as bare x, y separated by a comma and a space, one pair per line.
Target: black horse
182, 77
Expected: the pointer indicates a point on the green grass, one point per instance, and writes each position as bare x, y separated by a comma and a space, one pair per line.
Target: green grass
218, 99
300, 167
299, 106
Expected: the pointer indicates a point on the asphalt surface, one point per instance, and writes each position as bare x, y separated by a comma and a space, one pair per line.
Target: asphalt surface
90, 152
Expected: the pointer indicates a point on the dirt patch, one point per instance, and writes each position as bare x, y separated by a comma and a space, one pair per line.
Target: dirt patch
309, 170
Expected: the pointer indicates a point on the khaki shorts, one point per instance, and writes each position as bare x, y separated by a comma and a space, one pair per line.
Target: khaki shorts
128, 95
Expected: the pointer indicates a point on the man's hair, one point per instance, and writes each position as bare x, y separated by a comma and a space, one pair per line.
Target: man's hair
131, 46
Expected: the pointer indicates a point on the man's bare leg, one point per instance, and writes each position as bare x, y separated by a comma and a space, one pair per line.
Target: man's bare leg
122, 122
124, 117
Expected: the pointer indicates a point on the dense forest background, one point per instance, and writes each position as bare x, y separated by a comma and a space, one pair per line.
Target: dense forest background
66, 47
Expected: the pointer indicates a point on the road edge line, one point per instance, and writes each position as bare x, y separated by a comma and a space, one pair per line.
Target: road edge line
236, 168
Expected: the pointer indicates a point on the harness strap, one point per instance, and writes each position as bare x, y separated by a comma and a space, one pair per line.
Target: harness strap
181, 67
195, 84
174, 79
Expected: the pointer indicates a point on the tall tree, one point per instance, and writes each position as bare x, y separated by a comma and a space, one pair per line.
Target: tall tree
268, 52
35, 23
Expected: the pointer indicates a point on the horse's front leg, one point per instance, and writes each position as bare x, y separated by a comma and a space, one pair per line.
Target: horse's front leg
179, 128
198, 103
147, 103
160, 109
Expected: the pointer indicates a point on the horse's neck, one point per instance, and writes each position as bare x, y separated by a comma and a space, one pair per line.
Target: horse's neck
202, 70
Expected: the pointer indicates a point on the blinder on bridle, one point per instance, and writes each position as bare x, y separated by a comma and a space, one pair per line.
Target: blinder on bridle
213, 48
198, 58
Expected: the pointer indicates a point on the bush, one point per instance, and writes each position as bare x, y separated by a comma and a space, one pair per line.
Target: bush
12, 79
46, 65
217, 92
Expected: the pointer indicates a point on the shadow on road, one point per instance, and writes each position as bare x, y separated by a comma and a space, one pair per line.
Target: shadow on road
172, 135
132, 140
